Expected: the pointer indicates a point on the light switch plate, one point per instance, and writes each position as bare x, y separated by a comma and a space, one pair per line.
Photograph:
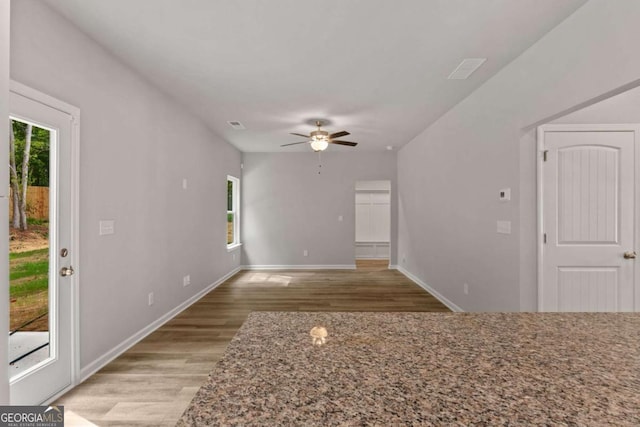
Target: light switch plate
107, 227
504, 194
504, 227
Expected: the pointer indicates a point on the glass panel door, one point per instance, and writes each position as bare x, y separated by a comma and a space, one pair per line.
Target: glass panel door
29, 312
41, 276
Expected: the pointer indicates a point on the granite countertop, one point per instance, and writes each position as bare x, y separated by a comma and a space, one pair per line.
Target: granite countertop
427, 369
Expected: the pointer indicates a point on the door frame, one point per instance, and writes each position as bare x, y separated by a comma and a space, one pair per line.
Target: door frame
540, 148
74, 112
390, 266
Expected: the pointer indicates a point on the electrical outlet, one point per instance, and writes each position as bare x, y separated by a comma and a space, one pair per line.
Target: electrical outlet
107, 227
503, 227
305, 253
150, 298
466, 289
185, 183
186, 280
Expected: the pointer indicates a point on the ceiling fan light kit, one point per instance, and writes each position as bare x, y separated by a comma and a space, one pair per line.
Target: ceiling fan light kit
320, 139
319, 144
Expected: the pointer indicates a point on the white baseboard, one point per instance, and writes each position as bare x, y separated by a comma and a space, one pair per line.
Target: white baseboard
436, 294
125, 345
393, 267
300, 267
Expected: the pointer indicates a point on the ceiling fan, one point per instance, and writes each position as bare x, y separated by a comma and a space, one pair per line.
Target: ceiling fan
320, 139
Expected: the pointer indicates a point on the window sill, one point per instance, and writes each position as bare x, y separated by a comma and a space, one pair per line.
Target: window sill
231, 248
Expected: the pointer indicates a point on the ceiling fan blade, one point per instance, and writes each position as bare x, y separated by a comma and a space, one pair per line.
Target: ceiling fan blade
299, 134
350, 144
339, 134
294, 143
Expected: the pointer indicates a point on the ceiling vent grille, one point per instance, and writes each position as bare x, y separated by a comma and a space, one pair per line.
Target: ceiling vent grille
236, 125
466, 68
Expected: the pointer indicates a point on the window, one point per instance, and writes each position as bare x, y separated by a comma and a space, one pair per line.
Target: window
233, 212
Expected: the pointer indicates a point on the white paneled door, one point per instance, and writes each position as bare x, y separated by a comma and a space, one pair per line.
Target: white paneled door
588, 218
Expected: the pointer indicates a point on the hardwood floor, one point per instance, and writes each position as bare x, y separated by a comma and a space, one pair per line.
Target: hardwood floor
372, 264
154, 381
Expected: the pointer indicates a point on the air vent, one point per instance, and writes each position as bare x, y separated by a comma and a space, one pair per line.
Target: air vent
237, 125
466, 68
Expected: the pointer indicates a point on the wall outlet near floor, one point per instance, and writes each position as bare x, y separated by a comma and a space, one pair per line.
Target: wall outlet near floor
466, 289
305, 253
186, 280
150, 298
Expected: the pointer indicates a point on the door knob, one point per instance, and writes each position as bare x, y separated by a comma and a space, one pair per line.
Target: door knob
630, 255
66, 271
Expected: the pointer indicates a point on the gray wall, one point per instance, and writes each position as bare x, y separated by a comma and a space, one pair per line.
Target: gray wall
622, 108
136, 146
449, 175
4, 186
288, 207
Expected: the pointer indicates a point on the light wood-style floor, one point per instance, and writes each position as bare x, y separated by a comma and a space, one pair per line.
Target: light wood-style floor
153, 382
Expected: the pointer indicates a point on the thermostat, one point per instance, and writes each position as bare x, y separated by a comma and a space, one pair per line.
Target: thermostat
505, 194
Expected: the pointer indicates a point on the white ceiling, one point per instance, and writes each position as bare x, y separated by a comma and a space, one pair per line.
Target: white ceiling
376, 68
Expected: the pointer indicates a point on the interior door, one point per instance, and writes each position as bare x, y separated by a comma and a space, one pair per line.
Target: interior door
589, 218
41, 274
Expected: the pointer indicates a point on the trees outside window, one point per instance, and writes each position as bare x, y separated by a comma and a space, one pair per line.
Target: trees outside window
28, 166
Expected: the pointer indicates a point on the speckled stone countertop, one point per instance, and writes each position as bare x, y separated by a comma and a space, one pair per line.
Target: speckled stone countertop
426, 369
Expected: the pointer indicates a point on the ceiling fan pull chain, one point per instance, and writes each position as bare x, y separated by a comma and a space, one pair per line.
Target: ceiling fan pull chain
319, 162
